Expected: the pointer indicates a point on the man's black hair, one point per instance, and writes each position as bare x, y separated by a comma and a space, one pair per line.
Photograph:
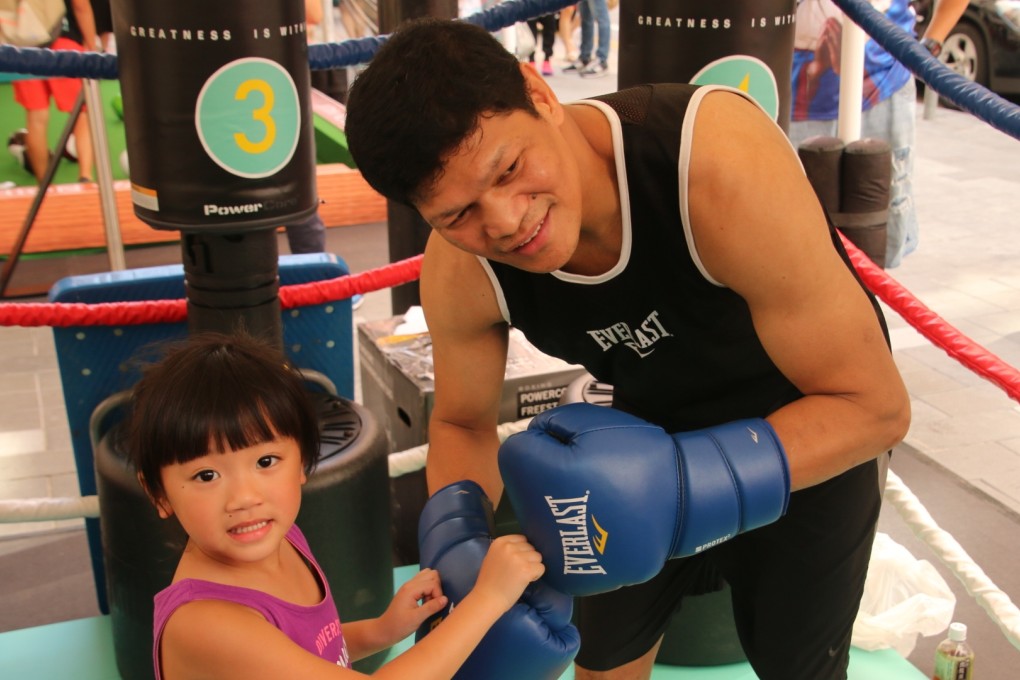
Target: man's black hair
420, 98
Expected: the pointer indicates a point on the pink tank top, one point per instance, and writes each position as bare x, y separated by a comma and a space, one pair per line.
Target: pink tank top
316, 628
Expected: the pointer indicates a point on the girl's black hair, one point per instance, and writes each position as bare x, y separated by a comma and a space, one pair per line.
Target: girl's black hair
215, 393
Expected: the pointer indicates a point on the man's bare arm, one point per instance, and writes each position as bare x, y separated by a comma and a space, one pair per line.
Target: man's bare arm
760, 231
469, 348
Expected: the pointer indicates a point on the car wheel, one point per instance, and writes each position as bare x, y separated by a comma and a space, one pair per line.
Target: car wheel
964, 51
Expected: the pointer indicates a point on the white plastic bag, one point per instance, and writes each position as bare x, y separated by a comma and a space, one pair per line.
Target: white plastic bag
903, 597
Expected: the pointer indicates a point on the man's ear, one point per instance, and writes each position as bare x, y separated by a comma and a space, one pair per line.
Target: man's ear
542, 95
162, 505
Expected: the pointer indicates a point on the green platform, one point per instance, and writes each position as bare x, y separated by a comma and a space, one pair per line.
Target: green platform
83, 650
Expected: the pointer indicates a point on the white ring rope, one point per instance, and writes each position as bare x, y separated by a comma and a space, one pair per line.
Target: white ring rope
50, 509
995, 602
998, 605
47, 509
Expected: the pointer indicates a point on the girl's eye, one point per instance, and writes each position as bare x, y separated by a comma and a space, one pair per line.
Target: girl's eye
206, 475
267, 461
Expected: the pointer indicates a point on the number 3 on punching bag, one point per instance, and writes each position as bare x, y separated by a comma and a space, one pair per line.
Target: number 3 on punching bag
217, 113
745, 45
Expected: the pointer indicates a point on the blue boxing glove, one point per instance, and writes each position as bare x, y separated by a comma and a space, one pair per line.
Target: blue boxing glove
535, 638
607, 498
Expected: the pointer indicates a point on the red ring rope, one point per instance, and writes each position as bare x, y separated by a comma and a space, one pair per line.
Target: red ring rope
64, 314
927, 322
932, 326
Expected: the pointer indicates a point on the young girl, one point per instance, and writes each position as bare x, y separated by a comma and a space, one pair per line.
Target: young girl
223, 436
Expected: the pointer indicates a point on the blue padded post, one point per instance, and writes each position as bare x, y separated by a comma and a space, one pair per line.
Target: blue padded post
97, 361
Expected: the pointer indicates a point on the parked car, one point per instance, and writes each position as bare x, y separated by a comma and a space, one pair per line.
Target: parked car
984, 45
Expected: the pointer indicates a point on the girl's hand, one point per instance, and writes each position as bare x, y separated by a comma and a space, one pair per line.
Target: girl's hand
509, 566
416, 600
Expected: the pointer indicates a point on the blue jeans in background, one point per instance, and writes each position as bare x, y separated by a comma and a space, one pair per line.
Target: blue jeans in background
592, 12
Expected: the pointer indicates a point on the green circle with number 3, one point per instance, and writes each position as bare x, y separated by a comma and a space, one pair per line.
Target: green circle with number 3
248, 117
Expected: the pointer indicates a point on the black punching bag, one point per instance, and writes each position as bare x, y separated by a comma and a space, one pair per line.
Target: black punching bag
407, 231
746, 45
217, 113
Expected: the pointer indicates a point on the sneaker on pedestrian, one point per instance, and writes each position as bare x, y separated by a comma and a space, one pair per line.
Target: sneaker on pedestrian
595, 69
547, 68
576, 66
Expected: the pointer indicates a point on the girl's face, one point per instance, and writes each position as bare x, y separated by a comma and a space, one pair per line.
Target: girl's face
236, 506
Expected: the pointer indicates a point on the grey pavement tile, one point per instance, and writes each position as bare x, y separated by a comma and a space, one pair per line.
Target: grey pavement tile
34, 487
922, 413
16, 385
37, 465
1002, 322
1008, 299
1002, 489
25, 417
64, 485
17, 442
977, 399
988, 465
26, 528
925, 380
974, 289
957, 431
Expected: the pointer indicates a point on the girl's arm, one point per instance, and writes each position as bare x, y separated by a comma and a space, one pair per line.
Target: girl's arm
224, 640
401, 618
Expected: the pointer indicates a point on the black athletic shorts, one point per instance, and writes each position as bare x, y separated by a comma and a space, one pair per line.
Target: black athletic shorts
796, 587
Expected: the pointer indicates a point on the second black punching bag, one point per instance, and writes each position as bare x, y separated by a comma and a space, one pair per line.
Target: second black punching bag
746, 45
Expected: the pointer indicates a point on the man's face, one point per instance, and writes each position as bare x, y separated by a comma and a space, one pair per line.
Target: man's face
511, 192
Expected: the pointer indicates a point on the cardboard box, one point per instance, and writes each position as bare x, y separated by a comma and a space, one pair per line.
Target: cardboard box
397, 388
397, 380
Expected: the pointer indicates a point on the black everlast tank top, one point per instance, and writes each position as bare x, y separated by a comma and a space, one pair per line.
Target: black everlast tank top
679, 349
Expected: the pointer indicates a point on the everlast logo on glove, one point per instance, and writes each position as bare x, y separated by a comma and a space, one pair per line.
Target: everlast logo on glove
578, 546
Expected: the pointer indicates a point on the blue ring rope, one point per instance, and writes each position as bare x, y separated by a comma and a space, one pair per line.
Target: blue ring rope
969, 96
972, 97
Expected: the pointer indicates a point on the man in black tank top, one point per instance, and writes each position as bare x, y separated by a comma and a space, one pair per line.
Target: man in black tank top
666, 238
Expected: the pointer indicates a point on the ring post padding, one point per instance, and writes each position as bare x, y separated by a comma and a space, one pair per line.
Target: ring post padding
746, 45
822, 158
344, 514
217, 113
866, 184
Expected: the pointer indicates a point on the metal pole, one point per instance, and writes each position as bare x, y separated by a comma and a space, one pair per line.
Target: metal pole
104, 176
328, 27
931, 97
851, 81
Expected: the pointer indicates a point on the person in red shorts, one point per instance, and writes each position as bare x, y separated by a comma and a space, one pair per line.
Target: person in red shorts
34, 95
